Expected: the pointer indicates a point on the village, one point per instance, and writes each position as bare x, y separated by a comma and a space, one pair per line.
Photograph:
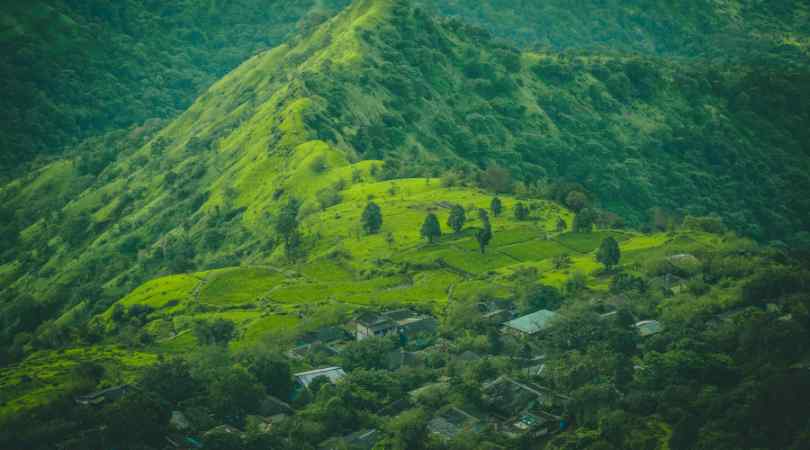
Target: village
513, 400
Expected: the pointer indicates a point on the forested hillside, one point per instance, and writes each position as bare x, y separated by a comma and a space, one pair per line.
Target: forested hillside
73, 68
593, 237
148, 59
728, 29
424, 97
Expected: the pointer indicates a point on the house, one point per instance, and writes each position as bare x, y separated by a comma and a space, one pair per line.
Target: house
523, 407
333, 374
179, 421
374, 325
405, 322
530, 324
109, 394
413, 326
649, 327
360, 440
452, 422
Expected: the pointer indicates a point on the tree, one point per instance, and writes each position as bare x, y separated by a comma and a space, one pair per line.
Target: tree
484, 234
138, 418
287, 226
496, 179
561, 225
496, 206
608, 253
576, 200
408, 430
430, 228
219, 331
273, 371
371, 218
457, 218
583, 221
521, 211
234, 393
170, 380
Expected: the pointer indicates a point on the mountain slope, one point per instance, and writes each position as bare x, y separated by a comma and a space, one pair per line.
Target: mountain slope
735, 29
78, 69
73, 69
382, 81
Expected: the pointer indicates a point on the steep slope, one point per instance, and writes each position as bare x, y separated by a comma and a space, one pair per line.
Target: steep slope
73, 69
382, 81
736, 29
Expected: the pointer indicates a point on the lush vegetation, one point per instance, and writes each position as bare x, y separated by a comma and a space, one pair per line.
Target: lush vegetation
73, 69
384, 158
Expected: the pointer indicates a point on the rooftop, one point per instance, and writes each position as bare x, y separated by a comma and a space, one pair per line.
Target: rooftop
649, 327
532, 323
333, 374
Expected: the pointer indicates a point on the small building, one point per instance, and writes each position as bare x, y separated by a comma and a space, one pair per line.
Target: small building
530, 324
402, 321
333, 374
649, 327
523, 407
109, 394
179, 421
371, 325
360, 440
452, 422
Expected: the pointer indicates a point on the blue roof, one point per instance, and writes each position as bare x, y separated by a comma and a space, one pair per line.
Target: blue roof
533, 322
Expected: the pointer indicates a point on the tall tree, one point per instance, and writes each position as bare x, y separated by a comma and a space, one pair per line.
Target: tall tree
484, 234
430, 228
287, 226
583, 221
521, 211
372, 218
561, 225
457, 218
609, 253
496, 206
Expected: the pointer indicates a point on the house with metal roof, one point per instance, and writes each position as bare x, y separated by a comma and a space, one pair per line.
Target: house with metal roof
333, 374
649, 327
530, 324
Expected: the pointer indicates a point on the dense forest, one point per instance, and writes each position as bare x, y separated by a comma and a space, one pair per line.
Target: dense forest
606, 215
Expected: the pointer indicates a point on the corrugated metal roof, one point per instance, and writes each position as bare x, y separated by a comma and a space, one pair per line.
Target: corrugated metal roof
332, 373
533, 322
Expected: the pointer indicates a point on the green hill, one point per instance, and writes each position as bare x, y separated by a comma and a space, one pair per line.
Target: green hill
74, 69
383, 91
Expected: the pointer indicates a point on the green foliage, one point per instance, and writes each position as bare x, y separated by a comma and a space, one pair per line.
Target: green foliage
583, 221
372, 218
496, 206
484, 234
608, 253
217, 331
521, 212
430, 228
457, 218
